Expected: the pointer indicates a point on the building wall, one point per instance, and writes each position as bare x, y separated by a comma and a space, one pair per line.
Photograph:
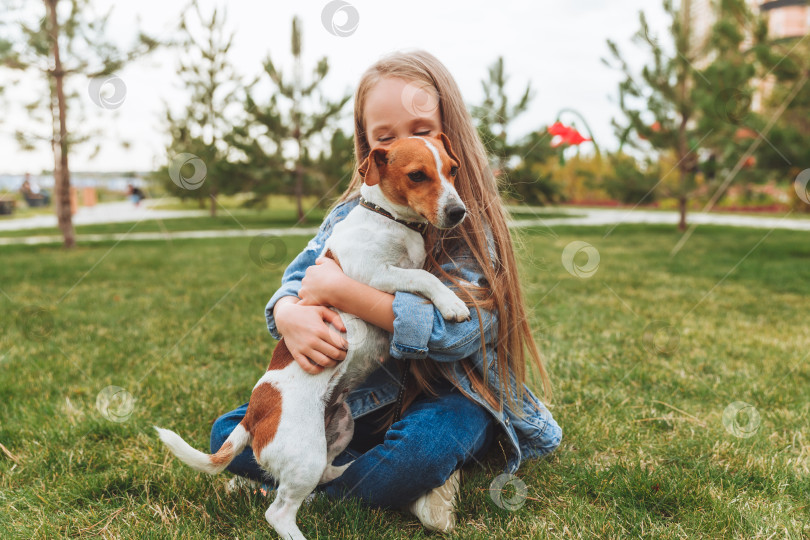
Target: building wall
786, 19
702, 16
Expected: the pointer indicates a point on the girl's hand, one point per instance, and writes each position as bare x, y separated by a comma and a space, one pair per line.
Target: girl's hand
311, 341
320, 283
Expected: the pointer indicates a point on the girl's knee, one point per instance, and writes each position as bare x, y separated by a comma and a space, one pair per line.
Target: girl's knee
218, 435
435, 440
430, 458
467, 412
224, 425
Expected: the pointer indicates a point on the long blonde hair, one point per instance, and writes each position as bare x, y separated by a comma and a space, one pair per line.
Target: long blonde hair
478, 188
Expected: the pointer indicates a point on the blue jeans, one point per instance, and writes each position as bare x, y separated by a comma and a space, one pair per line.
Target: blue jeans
435, 436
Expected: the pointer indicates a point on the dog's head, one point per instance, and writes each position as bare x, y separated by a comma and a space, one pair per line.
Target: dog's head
420, 173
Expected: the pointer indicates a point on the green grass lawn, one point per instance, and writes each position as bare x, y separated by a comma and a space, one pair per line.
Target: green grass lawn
645, 357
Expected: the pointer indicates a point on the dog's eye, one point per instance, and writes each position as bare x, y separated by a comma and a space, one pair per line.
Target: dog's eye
417, 176
453, 171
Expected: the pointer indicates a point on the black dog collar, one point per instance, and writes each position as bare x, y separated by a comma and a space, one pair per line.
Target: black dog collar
413, 225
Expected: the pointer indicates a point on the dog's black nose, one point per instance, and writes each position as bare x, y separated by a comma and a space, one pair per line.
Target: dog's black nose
456, 213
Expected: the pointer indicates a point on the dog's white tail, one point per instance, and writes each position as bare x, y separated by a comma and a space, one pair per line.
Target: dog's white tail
209, 463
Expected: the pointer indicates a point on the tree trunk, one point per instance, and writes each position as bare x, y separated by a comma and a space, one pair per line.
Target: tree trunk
683, 149
299, 169
61, 171
299, 180
213, 144
296, 116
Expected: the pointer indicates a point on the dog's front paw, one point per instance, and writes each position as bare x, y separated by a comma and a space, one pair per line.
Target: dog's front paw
453, 308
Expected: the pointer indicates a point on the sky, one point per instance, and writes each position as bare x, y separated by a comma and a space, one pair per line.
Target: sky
557, 47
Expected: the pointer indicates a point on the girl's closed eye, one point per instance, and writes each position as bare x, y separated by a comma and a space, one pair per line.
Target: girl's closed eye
389, 139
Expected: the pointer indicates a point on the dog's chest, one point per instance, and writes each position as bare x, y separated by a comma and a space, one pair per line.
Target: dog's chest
366, 243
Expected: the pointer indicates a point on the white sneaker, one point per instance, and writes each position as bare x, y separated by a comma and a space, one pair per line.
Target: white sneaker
311, 497
436, 508
240, 483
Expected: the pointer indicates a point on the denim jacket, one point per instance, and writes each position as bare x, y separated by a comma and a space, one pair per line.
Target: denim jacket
420, 331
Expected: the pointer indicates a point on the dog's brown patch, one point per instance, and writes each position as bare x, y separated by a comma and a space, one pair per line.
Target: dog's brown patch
333, 257
281, 356
263, 415
223, 455
423, 197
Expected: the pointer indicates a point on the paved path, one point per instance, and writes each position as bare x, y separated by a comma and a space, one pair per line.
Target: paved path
117, 212
601, 216
126, 212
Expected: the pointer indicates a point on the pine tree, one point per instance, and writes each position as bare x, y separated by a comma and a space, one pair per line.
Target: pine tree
268, 129
334, 166
519, 163
531, 180
65, 42
495, 115
201, 129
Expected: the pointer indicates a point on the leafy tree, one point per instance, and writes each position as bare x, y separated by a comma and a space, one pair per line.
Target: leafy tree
580, 178
268, 130
680, 109
66, 41
788, 69
629, 182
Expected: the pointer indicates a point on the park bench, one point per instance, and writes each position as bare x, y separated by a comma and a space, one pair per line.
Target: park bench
35, 199
7, 205
33, 196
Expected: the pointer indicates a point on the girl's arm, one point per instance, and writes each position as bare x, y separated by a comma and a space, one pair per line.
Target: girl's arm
308, 337
376, 306
416, 325
326, 284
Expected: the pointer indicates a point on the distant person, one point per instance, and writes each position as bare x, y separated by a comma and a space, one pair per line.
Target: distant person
135, 194
33, 194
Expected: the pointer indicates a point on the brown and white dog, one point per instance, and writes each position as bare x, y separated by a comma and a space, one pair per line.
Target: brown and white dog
297, 423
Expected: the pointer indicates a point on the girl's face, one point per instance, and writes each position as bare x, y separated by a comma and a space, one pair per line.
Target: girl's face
396, 108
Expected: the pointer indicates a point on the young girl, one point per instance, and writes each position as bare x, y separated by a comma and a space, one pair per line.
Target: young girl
465, 381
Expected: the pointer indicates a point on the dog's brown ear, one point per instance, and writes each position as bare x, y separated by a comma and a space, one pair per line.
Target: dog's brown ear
370, 169
448, 148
